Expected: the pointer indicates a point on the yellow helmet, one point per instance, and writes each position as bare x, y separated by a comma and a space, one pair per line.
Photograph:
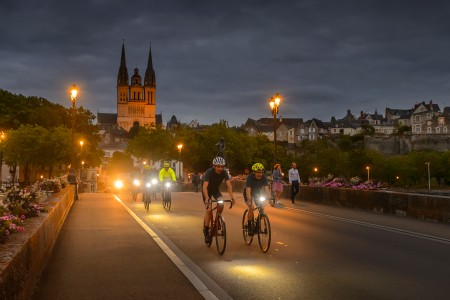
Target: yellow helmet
258, 167
166, 164
147, 167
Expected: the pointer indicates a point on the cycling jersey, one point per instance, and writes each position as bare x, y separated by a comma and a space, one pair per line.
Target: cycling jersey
167, 175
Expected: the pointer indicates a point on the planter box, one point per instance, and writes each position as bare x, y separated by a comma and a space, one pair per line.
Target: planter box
24, 256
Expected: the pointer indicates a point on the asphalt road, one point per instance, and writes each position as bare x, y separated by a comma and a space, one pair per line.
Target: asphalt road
317, 252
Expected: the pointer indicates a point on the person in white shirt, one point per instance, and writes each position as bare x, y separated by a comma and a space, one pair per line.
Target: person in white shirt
294, 181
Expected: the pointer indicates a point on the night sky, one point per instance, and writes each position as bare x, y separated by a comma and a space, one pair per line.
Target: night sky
224, 59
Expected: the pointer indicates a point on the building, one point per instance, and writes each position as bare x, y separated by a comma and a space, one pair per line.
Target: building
136, 102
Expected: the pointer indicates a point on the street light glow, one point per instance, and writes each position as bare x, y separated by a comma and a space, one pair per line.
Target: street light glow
74, 92
81, 143
180, 146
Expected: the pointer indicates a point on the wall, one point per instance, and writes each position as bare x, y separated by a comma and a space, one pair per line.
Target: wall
24, 256
420, 206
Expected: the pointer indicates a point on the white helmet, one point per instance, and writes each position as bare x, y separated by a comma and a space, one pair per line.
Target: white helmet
218, 161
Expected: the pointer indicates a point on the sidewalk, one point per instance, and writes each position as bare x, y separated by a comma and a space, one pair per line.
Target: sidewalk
102, 253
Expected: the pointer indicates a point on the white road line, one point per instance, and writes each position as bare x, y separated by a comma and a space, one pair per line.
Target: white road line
196, 282
380, 227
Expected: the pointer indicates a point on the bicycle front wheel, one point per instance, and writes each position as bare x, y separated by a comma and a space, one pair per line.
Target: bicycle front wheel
264, 232
168, 200
247, 238
221, 235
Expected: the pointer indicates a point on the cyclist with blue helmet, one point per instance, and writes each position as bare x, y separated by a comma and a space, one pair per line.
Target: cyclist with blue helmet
212, 179
255, 185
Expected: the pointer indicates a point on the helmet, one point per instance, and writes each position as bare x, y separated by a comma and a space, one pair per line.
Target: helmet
166, 164
218, 161
147, 167
258, 167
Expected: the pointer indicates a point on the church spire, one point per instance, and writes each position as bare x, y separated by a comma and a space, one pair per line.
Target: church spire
150, 79
122, 76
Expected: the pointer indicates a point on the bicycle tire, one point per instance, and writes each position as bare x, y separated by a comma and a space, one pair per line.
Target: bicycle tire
211, 232
247, 238
264, 232
221, 235
168, 200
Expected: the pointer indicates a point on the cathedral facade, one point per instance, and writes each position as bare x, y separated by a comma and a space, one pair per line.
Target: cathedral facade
136, 102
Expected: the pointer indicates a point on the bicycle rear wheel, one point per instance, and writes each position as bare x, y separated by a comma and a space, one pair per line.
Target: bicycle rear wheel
211, 232
264, 232
221, 235
247, 238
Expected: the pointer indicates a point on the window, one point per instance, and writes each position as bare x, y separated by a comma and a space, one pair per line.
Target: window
417, 118
438, 130
429, 115
444, 129
417, 129
429, 130
441, 121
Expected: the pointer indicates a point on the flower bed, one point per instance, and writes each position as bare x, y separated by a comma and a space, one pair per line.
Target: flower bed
355, 183
16, 205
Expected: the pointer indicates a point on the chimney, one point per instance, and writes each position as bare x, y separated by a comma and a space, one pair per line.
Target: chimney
431, 102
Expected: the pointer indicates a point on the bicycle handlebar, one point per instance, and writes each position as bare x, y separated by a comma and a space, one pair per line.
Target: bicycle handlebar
231, 202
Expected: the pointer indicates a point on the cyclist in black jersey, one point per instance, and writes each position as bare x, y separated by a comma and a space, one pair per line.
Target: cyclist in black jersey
212, 180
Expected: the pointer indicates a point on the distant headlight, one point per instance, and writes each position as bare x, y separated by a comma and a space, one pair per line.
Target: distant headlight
148, 184
154, 181
168, 184
136, 182
262, 199
118, 184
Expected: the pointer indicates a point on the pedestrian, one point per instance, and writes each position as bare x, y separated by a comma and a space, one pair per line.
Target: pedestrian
277, 184
196, 181
294, 181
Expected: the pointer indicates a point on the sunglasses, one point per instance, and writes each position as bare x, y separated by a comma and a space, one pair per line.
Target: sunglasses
220, 167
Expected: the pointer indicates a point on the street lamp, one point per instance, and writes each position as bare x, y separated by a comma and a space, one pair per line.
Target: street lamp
274, 103
368, 173
429, 181
73, 98
180, 146
2, 137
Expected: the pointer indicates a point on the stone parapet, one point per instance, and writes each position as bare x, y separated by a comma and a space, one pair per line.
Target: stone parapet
24, 256
420, 206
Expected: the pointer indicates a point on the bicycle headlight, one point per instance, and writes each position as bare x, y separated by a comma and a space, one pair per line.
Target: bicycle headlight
118, 184
136, 182
220, 201
154, 181
168, 184
148, 184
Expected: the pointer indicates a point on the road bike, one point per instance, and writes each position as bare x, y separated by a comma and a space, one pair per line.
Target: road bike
217, 226
135, 189
260, 225
166, 194
149, 194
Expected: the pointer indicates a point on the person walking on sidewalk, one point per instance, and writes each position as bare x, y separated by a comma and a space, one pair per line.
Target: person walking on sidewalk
294, 181
212, 179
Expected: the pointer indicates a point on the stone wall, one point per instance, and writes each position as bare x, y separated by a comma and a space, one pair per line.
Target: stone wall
24, 256
392, 145
420, 206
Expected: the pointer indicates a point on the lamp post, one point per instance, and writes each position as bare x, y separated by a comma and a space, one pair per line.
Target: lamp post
368, 173
73, 99
180, 146
274, 103
429, 181
2, 137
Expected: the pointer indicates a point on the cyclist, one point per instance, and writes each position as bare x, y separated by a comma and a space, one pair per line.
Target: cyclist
167, 173
212, 180
255, 185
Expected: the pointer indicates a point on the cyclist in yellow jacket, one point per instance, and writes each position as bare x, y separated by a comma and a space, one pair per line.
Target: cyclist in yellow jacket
167, 173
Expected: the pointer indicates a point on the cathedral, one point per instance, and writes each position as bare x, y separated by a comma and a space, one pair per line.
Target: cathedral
136, 102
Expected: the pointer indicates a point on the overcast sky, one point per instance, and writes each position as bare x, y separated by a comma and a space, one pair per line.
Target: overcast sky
220, 59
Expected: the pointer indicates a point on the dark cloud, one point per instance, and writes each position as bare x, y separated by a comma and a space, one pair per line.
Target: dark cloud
224, 59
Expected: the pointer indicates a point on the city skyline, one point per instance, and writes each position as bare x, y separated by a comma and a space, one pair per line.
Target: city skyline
217, 60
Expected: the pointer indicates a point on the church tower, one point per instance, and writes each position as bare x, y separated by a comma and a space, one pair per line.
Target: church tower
136, 103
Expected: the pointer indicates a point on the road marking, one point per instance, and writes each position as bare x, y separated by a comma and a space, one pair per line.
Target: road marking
380, 227
196, 282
